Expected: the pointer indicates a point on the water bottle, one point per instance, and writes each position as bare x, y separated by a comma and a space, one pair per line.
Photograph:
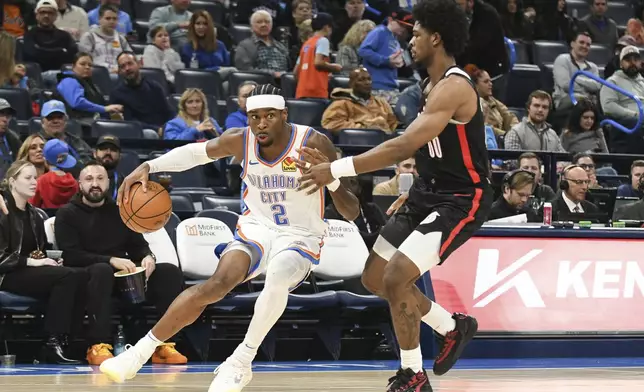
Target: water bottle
405, 181
119, 341
194, 63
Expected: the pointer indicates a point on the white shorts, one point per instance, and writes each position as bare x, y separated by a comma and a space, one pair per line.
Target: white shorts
263, 243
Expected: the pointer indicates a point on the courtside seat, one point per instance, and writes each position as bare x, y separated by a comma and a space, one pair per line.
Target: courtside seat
355, 301
197, 239
325, 299
236, 302
18, 303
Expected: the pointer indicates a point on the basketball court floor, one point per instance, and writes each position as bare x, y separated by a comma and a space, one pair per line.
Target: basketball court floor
556, 375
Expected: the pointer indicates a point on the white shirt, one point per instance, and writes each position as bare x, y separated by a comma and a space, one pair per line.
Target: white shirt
572, 205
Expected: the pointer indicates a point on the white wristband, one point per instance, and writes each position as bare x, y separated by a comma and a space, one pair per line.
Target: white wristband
343, 168
334, 185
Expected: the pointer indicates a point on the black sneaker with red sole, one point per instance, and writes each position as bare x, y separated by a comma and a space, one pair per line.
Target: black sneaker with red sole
406, 380
454, 343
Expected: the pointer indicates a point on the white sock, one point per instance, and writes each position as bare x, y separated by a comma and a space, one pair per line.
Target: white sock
439, 319
412, 359
245, 353
146, 346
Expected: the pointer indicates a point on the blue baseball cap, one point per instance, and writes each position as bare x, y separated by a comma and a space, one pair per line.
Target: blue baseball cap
56, 152
53, 106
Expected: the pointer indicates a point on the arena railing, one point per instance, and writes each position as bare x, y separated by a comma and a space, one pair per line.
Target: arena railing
607, 121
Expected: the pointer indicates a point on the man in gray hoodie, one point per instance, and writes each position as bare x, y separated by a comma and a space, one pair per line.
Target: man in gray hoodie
103, 42
620, 107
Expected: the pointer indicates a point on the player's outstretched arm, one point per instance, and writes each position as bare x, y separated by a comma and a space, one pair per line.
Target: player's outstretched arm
185, 157
442, 104
320, 149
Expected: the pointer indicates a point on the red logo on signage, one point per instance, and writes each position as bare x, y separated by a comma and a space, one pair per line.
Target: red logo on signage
545, 285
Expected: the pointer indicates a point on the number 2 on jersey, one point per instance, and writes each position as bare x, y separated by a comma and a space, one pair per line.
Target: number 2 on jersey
279, 214
435, 150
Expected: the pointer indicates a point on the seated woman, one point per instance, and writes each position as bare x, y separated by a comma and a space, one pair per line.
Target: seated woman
204, 51
84, 100
583, 133
160, 54
193, 121
348, 49
26, 270
32, 151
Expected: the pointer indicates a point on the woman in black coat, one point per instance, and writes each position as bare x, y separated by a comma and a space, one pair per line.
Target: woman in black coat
26, 270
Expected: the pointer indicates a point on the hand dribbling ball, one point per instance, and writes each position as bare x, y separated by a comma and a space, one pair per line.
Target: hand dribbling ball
146, 212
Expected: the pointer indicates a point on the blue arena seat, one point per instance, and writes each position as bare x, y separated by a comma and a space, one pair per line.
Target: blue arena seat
547, 51
357, 301
600, 54
181, 203
361, 137
288, 84
208, 81
522, 80
128, 162
120, 129
17, 303
547, 77
20, 100
306, 111
240, 32
216, 10
226, 203
521, 50
236, 79
143, 9
158, 76
34, 72
338, 81
102, 80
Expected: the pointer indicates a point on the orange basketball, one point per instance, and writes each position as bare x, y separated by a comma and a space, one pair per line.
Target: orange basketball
146, 212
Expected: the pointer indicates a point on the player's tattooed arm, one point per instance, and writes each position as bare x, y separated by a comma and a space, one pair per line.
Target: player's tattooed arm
320, 149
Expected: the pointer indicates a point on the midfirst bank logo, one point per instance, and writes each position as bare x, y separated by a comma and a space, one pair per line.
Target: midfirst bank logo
205, 230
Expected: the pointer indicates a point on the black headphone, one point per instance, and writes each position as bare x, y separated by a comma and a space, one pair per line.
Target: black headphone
564, 185
508, 178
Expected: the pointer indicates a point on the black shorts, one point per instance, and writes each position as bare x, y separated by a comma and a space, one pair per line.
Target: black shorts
427, 234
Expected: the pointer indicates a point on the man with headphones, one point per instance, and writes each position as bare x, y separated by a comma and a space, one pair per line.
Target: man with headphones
517, 188
574, 184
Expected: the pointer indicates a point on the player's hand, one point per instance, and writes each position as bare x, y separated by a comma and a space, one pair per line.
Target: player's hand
311, 157
395, 206
122, 264
315, 178
140, 174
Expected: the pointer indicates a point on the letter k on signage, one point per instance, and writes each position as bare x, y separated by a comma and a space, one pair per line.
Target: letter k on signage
488, 277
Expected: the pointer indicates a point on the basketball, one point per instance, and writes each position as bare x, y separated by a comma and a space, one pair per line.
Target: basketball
146, 212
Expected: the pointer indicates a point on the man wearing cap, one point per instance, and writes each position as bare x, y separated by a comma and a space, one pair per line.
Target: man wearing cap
47, 45
10, 143
54, 120
382, 55
56, 187
313, 66
108, 154
620, 107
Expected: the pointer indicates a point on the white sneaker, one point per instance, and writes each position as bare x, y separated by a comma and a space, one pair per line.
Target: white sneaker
231, 376
124, 366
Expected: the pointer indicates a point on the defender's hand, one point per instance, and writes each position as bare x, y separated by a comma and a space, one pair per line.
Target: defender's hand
316, 177
310, 157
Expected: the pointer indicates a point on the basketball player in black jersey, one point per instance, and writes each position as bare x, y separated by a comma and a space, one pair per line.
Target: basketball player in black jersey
448, 202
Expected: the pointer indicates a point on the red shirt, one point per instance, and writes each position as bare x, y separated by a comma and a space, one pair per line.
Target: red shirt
53, 190
311, 83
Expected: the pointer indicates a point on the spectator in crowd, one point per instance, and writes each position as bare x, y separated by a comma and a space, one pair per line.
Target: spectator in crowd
7, 63
632, 211
19, 79
193, 121
83, 99
348, 56
496, 113
108, 154
300, 29
356, 107
103, 42
352, 13
203, 50
143, 100
159, 54
54, 120
262, 52
26, 269
18, 16
518, 22
246, 9
31, 151
586, 162
93, 237
572, 199
533, 133
56, 187
408, 105
633, 189
566, 64
554, 23
614, 64
371, 218
239, 118
391, 187
382, 55
72, 19
10, 139
175, 18
486, 46
47, 45
602, 29
622, 108
124, 22
517, 188
313, 67
530, 161
583, 133
635, 29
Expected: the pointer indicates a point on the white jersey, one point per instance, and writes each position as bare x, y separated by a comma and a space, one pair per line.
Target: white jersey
269, 189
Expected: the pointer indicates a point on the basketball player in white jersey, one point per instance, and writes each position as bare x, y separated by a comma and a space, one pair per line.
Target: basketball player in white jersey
279, 232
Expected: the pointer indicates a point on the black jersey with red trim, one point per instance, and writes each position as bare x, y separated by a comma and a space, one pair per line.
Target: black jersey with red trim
456, 161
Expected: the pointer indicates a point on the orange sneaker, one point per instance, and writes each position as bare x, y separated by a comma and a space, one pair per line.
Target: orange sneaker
167, 354
99, 353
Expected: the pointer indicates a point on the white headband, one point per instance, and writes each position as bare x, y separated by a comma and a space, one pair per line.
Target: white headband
265, 101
